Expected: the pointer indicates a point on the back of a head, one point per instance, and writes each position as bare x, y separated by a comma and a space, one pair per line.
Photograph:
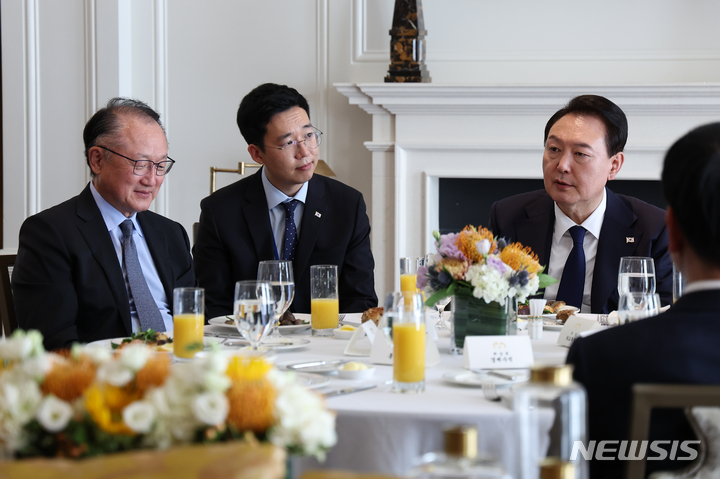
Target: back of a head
691, 186
612, 116
261, 104
107, 122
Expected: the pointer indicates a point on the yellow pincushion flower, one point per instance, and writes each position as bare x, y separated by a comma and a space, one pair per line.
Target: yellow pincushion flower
518, 257
69, 377
456, 267
251, 396
467, 242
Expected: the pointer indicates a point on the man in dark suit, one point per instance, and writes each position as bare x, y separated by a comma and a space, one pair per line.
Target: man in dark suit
71, 279
250, 220
680, 345
584, 144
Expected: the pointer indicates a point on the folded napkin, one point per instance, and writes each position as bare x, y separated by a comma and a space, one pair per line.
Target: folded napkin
536, 307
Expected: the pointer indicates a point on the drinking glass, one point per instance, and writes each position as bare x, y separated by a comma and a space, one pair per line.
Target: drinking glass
441, 303
280, 276
324, 304
634, 306
408, 337
188, 321
254, 310
636, 275
678, 284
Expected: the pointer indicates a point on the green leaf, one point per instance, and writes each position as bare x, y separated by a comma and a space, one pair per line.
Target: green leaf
546, 280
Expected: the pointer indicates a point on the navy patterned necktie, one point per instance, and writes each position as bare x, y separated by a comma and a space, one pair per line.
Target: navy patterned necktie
572, 284
140, 296
290, 230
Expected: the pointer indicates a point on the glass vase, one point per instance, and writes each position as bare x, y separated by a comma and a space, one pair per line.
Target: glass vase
474, 317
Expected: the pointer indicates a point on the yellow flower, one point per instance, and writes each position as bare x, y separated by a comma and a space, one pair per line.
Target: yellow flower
104, 403
518, 257
69, 377
456, 267
467, 241
251, 396
154, 372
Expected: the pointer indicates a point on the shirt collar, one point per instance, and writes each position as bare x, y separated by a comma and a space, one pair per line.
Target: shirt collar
274, 196
110, 214
593, 223
702, 285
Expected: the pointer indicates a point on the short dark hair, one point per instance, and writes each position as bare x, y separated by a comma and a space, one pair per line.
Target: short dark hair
616, 126
107, 122
691, 186
261, 104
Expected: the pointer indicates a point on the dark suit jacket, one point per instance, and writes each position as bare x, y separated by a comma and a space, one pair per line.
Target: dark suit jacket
234, 235
679, 346
67, 280
530, 218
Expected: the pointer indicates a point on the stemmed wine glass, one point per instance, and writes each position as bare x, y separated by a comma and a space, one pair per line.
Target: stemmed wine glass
441, 303
254, 310
280, 276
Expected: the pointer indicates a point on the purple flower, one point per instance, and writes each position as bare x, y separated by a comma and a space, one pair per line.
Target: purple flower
422, 278
497, 264
447, 246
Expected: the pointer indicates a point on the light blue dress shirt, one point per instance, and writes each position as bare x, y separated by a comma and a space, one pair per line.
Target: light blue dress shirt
274, 199
113, 218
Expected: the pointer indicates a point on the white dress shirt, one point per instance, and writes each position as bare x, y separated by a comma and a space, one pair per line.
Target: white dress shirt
113, 218
276, 210
562, 244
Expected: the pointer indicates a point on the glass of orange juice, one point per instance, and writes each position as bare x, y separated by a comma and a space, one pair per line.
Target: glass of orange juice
408, 274
188, 321
408, 337
324, 305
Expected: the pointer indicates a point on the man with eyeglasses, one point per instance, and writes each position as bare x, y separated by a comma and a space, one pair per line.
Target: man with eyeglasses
283, 212
100, 265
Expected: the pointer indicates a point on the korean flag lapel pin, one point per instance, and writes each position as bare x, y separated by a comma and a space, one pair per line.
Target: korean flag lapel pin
318, 214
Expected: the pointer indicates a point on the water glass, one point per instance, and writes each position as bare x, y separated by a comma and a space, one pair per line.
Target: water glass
280, 276
407, 321
254, 310
636, 275
188, 321
324, 303
634, 306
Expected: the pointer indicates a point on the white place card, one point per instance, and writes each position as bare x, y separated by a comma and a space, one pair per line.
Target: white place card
497, 352
573, 327
368, 330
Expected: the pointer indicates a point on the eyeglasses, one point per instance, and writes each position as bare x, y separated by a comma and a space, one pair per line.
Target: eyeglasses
312, 140
143, 167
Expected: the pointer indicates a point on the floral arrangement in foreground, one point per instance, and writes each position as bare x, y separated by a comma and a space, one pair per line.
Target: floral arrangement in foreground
91, 401
475, 263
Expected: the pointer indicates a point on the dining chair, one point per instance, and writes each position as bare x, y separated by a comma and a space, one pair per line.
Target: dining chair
322, 168
7, 306
702, 408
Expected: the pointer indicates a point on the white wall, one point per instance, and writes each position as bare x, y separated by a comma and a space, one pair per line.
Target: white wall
195, 59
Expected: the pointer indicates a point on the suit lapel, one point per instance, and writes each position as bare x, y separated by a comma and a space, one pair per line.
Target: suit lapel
536, 229
312, 221
257, 219
618, 238
98, 240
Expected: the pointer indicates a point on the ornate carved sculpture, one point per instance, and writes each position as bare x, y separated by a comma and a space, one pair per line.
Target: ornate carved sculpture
407, 44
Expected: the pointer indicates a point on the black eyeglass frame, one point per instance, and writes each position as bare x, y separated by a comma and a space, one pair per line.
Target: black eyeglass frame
296, 143
166, 164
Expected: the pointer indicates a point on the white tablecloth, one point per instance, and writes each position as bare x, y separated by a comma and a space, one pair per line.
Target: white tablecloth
381, 431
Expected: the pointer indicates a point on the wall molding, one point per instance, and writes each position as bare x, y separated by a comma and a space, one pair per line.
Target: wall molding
162, 200
322, 74
361, 53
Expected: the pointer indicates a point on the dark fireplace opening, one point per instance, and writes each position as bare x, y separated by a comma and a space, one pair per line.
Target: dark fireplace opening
467, 201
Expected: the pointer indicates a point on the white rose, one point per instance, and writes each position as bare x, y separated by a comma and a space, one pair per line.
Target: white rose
54, 414
37, 366
211, 408
217, 382
139, 416
20, 401
115, 373
134, 356
97, 354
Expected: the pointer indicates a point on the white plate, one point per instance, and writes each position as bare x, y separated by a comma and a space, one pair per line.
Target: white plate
463, 377
245, 352
293, 328
283, 344
107, 343
312, 381
324, 369
552, 325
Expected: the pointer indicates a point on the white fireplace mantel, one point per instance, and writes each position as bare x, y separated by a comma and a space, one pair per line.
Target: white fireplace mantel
424, 132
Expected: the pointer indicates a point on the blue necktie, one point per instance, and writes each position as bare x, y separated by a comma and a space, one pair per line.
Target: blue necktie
572, 283
140, 297
290, 230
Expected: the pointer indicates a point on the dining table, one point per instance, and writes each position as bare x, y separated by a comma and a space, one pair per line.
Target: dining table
380, 431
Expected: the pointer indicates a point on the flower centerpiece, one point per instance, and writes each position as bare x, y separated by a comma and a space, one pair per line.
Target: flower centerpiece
91, 401
486, 277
